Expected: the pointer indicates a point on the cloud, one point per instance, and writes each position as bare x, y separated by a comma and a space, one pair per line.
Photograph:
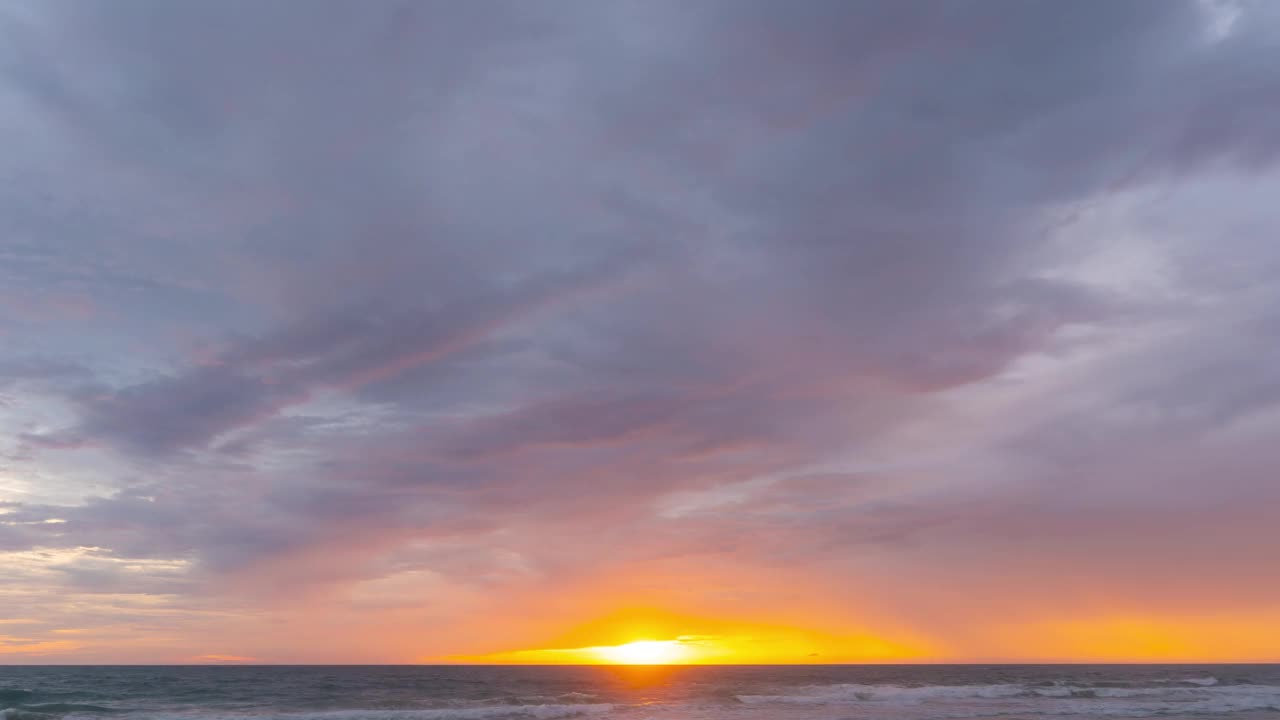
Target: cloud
25, 646
401, 300
215, 658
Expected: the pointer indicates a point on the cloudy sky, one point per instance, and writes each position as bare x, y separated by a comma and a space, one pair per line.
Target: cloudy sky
372, 331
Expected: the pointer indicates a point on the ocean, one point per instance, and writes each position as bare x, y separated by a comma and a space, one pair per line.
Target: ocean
810, 692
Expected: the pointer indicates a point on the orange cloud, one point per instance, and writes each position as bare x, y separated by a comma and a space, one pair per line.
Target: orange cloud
217, 658
26, 646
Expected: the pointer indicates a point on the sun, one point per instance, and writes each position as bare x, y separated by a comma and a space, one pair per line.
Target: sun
644, 652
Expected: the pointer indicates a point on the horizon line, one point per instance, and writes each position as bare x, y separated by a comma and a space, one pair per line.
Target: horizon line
664, 665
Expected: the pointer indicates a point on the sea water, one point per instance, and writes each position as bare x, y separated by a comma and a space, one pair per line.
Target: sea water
1241, 692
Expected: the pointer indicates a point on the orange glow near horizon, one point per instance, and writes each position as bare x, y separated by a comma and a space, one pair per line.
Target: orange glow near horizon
637, 652
654, 641
1140, 638
637, 638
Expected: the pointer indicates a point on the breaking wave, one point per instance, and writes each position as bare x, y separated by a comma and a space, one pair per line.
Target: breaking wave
1161, 697
484, 712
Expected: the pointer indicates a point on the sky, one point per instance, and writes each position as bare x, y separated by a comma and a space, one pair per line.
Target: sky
501, 331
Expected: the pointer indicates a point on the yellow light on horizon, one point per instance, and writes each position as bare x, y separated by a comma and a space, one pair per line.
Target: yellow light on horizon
683, 640
643, 652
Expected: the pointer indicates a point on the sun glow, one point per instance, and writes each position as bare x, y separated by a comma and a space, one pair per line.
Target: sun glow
643, 652
658, 640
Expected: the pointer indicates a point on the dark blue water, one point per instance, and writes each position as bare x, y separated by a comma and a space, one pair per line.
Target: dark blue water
1242, 692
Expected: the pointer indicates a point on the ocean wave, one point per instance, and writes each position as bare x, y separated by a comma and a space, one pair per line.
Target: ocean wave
65, 708
1175, 697
20, 714
17, 698
855, 693
1153, 683
1157, 708
568, 698
51, 711
1202, 682
485, 712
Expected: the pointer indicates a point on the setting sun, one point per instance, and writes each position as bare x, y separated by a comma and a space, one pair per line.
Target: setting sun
644, 652
652, 637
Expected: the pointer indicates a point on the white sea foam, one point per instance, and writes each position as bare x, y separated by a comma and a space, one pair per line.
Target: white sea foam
19, 714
